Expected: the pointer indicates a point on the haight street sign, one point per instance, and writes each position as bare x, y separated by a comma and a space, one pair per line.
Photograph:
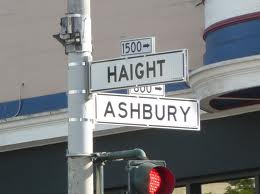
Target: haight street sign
151, 69
143, 111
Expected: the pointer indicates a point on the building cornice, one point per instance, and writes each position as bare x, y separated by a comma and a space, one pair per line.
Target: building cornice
213, 80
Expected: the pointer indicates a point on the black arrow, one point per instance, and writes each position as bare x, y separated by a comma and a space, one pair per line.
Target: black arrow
146, 45
158, 88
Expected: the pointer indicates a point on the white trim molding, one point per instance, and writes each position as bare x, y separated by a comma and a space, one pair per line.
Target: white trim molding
216, 79
43, 129
52, 127
33, 130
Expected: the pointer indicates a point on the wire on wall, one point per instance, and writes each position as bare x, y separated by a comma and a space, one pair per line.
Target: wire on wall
20, 100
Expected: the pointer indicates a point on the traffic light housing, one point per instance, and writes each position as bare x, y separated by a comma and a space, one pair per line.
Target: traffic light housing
150, 177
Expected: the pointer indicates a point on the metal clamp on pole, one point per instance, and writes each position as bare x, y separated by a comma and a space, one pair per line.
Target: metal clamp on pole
73, 32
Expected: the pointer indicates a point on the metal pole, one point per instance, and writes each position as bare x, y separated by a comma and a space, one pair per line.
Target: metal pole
99, 178
257, 184
80, 109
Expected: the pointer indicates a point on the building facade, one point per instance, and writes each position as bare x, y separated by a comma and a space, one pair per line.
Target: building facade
223, 39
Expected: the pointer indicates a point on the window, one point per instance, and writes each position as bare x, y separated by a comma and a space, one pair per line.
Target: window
179, 190
238, 186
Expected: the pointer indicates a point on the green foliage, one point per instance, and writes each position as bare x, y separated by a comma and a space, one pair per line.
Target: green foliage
242, 186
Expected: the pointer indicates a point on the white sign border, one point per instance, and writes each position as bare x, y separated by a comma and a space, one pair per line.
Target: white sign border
149, 126
185, 77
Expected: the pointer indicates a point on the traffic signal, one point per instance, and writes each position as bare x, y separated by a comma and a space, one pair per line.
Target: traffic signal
149, 177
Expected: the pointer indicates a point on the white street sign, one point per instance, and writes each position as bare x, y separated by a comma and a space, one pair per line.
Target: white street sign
142, 46
148, 90
147, 111
137, 46
152, 69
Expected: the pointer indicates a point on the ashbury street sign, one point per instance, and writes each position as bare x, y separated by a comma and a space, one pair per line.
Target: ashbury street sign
147, 111
151, 69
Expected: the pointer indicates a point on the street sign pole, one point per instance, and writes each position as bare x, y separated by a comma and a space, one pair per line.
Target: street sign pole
75, 35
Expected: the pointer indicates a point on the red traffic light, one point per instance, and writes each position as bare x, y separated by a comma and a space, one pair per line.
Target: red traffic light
150, 177
161, 181
154, 181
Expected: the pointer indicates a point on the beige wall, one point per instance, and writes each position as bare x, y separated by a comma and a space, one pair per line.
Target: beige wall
30, 55
28, 52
